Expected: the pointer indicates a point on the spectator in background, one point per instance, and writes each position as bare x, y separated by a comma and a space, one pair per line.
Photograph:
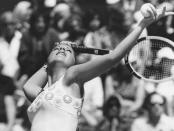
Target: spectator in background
22, 12
92, 22
129, 90
74, 26
155, 119
111, 112
94, 93
94, 99
166, 89
9, 47
10, 43
39, 5
7, 104
110, 35
75, 6
130, 5
60, 13
36, 43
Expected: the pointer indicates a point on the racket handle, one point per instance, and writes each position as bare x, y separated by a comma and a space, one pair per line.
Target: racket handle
88, 50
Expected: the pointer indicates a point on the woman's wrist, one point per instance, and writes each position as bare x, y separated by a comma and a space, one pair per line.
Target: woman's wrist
143, 23
146, 22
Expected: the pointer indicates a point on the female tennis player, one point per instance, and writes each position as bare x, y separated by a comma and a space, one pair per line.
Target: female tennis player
57, 107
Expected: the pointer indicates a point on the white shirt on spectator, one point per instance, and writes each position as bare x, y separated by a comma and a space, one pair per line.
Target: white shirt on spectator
142, 124
94, 96
9, 54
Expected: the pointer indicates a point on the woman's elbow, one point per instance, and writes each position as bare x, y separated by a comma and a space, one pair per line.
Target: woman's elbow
27, 91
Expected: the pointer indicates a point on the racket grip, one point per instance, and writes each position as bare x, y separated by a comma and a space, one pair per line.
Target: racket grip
88, 50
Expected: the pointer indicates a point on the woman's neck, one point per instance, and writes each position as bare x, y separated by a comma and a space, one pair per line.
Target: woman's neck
55, 73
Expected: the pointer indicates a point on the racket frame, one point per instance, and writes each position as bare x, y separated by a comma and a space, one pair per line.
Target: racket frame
135, 73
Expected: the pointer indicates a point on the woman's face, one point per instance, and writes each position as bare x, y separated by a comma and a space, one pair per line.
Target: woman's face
62, 53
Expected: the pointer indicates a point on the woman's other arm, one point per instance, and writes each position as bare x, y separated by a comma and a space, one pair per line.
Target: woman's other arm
35, 83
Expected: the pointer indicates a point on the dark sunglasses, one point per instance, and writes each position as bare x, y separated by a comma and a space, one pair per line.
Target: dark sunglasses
157, 103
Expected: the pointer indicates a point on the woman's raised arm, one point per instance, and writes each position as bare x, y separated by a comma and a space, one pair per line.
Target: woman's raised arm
101, 64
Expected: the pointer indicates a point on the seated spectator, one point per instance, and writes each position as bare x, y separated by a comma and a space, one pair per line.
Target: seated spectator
111, 111
130, 91
9, 43
155, 118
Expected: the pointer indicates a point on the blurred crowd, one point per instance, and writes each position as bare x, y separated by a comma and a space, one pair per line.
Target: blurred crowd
115, 101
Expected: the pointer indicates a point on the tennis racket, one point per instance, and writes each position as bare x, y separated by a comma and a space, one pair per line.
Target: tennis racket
152, 59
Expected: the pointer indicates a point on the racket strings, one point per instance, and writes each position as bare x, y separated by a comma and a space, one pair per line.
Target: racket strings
152, 59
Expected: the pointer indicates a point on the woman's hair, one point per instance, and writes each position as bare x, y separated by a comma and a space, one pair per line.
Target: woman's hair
69, 43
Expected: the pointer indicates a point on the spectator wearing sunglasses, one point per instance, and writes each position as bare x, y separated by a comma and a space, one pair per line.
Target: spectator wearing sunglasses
155, 118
